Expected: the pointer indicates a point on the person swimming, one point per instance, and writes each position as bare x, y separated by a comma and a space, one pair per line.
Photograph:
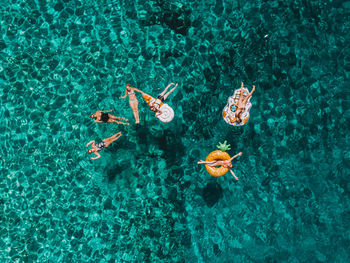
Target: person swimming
103, 116
95, 148
133, 102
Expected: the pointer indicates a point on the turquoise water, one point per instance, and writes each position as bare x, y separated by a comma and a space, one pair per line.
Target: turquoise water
146, 199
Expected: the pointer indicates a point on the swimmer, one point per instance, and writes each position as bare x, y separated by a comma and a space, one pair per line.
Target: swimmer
95, 148
241, 104
155, 107
134, 103
103, 116
224, 163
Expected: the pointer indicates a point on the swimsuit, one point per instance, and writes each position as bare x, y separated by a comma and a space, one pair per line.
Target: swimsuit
161, 98
158, 102
130, 93
104, 117
100, 146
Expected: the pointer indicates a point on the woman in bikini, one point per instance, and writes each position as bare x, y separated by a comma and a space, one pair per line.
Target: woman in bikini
161, 97
241, 104
134, 103
103, 116
95, 148
224, 163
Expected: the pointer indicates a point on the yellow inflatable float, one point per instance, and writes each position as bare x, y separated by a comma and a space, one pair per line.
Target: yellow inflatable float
217, 155
219, 162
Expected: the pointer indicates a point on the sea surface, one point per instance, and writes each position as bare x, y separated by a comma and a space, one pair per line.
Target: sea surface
146, 199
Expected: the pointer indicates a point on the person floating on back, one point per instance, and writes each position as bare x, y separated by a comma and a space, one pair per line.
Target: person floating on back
236, 112
162, 110
220, 158
103, 116
95, 148
134, 103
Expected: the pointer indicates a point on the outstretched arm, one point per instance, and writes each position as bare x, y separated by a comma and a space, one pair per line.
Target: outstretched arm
238, 154
234, 175
106, 110
123, 97
138, 90
90, 143
97, 156
98, 121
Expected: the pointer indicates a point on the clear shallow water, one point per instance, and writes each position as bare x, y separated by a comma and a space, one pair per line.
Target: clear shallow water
147, 199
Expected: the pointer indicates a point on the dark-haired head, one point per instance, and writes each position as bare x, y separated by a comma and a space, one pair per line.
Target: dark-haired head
90, 151
92, 116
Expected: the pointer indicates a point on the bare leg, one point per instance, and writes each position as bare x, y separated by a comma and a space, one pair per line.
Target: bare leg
121, 118
116, 118
234, 175
135, 111
241, 94
119, 122
166, 95
249, 95
164, 91
113, 138
136, 115
116, 135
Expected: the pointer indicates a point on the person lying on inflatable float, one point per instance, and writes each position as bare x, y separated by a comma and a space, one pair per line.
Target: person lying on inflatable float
95, 148
162, 110
103, 116
236, 112
220, 158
